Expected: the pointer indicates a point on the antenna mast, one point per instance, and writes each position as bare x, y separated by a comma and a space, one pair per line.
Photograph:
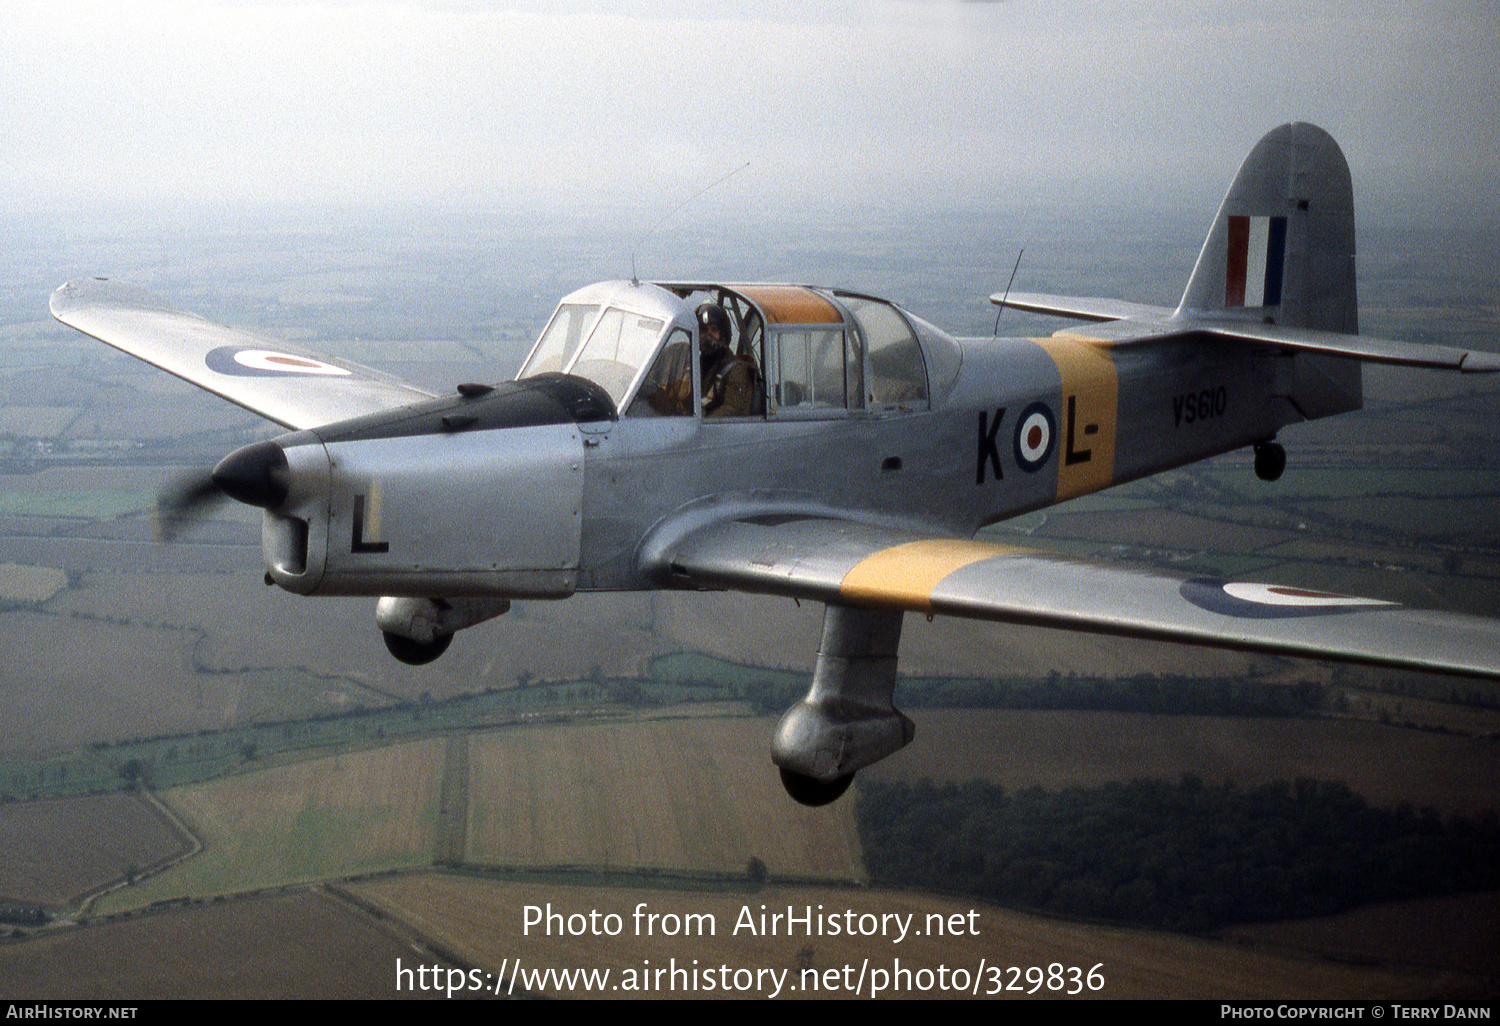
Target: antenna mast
634, 279
1006, 295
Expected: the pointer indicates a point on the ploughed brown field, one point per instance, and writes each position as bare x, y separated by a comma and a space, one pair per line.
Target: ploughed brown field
59, 850
298, 944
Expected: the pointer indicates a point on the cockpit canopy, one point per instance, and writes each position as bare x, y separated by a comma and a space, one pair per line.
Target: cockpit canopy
794, 351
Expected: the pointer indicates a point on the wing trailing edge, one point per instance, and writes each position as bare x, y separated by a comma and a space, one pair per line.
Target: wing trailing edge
1366, 348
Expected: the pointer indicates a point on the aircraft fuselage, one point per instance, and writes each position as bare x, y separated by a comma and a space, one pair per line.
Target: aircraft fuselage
540, 505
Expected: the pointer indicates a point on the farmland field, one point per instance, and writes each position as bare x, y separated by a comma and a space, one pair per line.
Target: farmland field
299, 944
311, 820
58, 850
696, 794
1163, 528
692, 795
30, 584
93, 503
1461, 931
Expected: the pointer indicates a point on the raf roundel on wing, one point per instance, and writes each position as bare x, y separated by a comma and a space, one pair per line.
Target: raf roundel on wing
1253, 601
256, 363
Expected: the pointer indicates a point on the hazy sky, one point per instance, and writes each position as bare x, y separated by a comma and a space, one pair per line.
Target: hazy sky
514, 105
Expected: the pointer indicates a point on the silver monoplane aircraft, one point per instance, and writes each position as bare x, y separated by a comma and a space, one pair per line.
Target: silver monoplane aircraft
824, 445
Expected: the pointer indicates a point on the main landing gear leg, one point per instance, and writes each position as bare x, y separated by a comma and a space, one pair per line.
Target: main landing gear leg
846, 721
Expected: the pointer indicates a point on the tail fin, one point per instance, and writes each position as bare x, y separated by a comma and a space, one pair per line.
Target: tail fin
1281, 250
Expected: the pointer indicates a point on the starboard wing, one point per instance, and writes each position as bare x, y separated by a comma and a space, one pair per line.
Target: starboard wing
279, 381
854, 564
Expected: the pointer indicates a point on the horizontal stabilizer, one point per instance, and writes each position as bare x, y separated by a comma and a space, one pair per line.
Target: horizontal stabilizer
1362, 347
1082, 308
1150, 324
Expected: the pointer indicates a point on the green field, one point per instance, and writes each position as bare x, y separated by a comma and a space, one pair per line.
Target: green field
312, 820
90, 504
693, 795
30, 585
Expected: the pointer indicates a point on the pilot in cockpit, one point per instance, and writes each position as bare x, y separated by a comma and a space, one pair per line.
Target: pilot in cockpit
728, 379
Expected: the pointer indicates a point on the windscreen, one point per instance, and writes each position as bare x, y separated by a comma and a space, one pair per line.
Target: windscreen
560, 339
616, 350
619, 343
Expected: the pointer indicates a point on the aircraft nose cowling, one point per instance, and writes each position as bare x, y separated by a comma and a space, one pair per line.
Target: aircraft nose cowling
257, 475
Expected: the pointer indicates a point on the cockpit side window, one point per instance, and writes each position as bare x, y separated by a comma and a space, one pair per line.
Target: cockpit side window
667, 389
895, 373
733, 386
811, 368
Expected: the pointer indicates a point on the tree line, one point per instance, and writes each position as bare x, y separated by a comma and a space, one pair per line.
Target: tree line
1160, 694
1184, 856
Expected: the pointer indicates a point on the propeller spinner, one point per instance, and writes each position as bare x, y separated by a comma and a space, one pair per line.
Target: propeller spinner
256, 475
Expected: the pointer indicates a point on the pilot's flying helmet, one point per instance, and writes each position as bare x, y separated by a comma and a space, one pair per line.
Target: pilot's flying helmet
713, 313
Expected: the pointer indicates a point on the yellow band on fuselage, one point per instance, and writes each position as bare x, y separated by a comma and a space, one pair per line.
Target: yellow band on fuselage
1086, 421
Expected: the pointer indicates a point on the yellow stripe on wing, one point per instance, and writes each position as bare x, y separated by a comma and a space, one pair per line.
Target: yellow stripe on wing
904, 576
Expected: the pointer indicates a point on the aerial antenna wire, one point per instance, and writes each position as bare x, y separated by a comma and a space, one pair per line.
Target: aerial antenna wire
634, 279
1003, 298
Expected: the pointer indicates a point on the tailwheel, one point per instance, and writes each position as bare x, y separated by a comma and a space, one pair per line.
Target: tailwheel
812, 791
416, 653
1270, 460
